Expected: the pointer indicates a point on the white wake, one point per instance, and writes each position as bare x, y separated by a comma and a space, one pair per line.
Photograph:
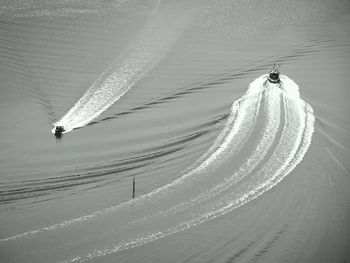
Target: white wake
265, 137
160, 33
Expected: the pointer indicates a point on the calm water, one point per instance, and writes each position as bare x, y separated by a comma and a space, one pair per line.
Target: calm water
152, 87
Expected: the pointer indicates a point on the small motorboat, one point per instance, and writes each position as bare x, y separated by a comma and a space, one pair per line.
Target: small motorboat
58, 131
274, 76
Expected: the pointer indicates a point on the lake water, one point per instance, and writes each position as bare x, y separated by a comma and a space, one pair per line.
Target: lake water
157, 91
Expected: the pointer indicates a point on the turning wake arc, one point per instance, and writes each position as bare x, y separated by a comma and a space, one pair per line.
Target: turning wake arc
266, 136
160, 33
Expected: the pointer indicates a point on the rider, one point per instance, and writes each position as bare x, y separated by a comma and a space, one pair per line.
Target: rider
274, 75
58, 131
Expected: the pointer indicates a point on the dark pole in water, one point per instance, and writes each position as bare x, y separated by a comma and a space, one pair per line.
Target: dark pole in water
133, 187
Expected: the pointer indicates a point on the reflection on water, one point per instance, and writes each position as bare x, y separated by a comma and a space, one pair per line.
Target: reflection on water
175, 106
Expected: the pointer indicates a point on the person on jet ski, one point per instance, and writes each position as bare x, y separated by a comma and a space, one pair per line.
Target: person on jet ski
58, 131
274, 76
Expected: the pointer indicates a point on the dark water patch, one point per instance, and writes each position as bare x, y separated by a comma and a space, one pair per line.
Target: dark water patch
53, 187
183, 141
24, 193
34, 188
94, 172
157, 102
268, 245
241, 252
113, 170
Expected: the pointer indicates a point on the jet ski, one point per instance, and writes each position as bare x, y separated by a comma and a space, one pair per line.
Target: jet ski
274, 76
58, 131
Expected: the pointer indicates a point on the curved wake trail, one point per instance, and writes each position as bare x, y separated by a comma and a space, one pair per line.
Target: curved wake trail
163, 29
267, 134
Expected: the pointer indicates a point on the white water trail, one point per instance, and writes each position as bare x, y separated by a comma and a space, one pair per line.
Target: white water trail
294, 141
240, 111
280, 122
165, 26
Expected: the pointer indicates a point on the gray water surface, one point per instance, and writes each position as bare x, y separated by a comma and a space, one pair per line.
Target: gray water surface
186, 63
